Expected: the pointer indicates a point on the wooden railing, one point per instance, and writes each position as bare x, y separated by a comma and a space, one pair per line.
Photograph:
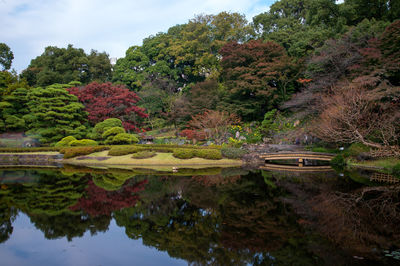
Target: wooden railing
297, 155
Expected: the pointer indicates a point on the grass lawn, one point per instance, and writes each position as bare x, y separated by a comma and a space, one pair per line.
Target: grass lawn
161, 159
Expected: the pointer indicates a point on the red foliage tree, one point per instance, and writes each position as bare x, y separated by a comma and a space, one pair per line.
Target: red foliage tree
193, 134
106, 100
99, 201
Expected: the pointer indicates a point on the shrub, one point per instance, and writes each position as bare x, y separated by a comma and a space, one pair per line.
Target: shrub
65, 141
184, 153
396, 170
122, 138
193, 134
101, 127
235, 143
112, 132
71, 152
143, 155
356, 148
233, 153
320, 149
338, 161
83, 142
123, 150
210, 154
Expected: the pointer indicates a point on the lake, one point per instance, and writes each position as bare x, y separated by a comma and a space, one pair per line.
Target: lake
233, 216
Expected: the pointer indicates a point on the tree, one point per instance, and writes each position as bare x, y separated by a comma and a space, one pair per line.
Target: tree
299, 26
63, 65
214, 123
355, 114
257, 76
6, 56
390, 49
186, 54
388, 10
54, 114
204, 96
105, 100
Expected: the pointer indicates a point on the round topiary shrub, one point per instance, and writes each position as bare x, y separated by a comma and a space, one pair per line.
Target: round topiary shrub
64, 142
83, 142
122, 138
101, 127
112, 132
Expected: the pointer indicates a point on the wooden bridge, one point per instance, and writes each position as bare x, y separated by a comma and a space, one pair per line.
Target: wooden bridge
300, 156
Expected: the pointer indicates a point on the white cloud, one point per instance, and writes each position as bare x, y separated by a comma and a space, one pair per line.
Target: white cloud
28, 26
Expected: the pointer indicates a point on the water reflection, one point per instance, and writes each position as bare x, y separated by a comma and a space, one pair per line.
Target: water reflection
212, 216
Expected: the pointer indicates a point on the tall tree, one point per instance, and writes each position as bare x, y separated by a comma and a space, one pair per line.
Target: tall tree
63, 65
257, 76
6, 56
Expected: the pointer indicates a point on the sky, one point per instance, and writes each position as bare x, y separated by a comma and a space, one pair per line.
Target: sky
28, 26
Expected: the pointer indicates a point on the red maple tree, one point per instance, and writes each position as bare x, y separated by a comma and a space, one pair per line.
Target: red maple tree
105, 100
99, 201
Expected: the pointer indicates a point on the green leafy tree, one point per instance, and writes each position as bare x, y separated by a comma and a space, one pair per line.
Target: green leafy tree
6, 56
299, 26
63, 65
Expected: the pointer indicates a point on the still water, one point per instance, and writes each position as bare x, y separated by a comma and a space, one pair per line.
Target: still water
82, 216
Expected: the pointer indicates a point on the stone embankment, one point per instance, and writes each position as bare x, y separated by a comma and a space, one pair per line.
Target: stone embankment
26, 159
255, 150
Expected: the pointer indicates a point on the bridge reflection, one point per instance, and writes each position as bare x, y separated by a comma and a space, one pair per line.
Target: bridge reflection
296, 168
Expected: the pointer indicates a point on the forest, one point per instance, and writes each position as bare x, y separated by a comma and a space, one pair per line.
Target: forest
306, 67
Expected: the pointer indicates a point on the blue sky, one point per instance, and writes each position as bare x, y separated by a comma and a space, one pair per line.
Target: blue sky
28, 26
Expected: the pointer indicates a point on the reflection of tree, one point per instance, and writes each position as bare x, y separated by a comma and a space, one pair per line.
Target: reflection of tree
361, 220
7, 216
51, 195
99, 201
204, 222
47, 203
69, 225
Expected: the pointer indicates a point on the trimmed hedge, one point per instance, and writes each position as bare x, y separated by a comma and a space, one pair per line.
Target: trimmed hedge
123, 150
168, 148
64, 142
210, 154
183, 153
83, 142
233, 153
35, 149
78, 151
143, 155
